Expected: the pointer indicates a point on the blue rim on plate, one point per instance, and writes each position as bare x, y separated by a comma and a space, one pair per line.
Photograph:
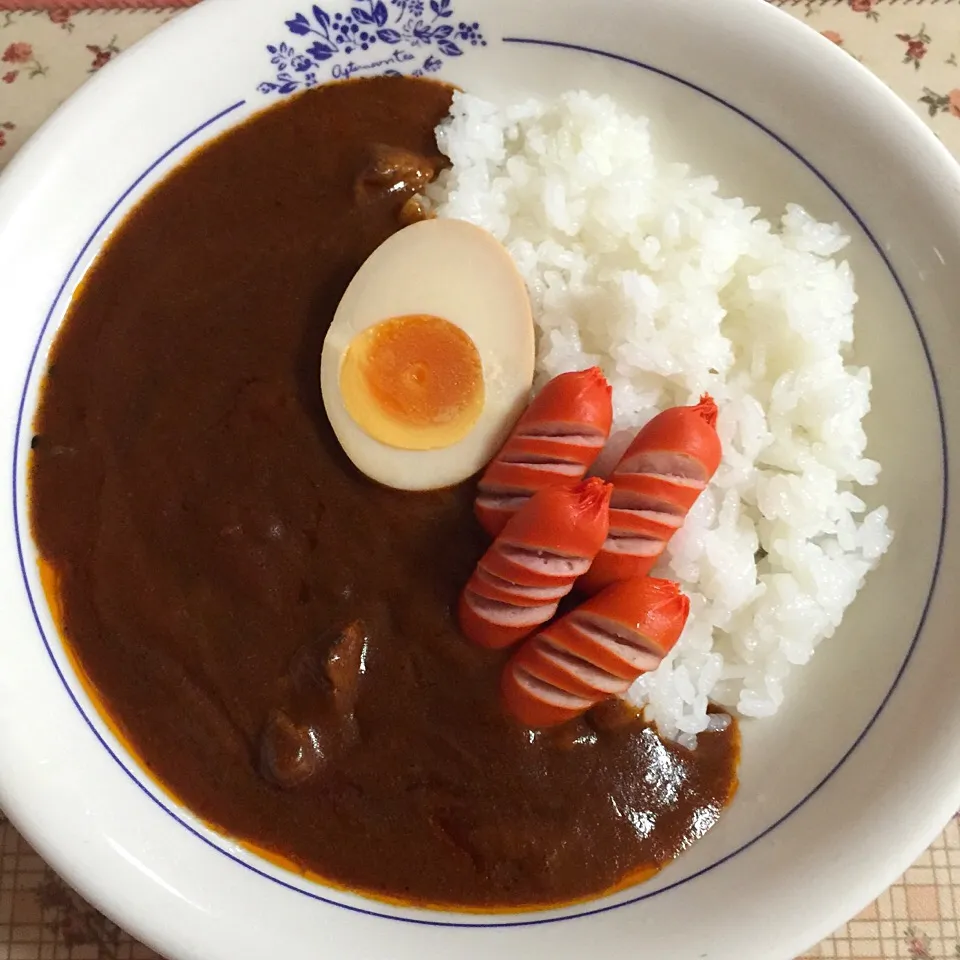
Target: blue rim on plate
514, 922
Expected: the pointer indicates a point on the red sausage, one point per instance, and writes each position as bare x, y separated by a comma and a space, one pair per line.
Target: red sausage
554, 443
595, 652
657, 481
534, 562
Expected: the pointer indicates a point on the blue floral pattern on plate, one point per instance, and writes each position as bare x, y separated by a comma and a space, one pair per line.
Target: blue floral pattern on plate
399, 38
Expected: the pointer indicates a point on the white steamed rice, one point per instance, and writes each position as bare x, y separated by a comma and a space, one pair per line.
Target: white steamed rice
674, 290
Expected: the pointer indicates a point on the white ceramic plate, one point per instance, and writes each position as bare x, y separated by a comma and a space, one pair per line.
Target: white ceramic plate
861, 768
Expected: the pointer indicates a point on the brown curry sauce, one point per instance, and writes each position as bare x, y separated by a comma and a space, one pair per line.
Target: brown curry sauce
273, 634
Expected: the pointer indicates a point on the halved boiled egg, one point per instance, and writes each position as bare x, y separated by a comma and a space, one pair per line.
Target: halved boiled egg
429, 359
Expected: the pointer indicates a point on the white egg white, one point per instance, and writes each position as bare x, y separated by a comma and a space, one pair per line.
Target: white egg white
457, 271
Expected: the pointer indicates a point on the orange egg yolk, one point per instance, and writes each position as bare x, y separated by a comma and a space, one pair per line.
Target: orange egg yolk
413, 382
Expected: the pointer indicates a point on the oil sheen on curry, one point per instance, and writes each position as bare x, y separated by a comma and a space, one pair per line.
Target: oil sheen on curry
396, 674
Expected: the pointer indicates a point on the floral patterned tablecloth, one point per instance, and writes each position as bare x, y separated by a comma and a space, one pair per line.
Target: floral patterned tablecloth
49, 47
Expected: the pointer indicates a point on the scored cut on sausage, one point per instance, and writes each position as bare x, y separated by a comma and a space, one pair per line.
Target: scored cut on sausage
534, 562
595, 652
554, 443
659, 478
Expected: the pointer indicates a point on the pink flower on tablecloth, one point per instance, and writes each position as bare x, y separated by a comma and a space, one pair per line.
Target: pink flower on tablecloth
102, 55
917, 943
953, 99
938, 103
21, 53
17, 53
866, 7
917, 46
62, 16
